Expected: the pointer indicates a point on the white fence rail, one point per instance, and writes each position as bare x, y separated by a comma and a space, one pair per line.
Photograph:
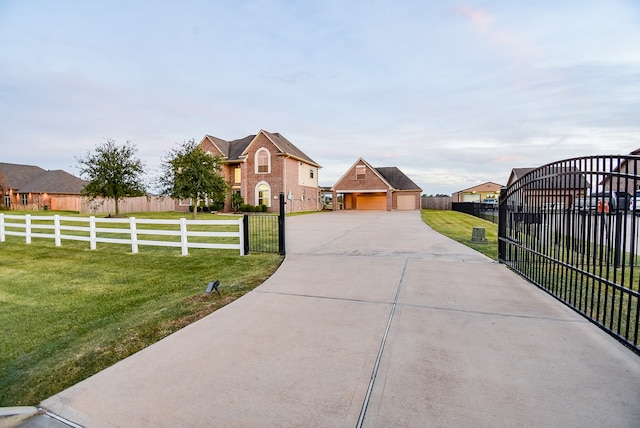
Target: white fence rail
111, 230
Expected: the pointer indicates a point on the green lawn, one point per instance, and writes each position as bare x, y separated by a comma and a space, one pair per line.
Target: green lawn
458, 226
68, 312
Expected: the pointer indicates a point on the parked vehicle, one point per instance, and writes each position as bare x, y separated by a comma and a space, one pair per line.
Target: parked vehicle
610, 201
492, 202
635, 203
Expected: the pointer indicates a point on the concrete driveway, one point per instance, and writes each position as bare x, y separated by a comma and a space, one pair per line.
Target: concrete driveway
375, 320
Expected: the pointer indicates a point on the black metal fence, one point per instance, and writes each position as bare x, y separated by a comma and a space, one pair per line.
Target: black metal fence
487, 212
573, 229
265, 232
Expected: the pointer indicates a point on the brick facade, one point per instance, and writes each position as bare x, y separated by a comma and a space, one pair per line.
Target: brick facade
365, 187
285, 172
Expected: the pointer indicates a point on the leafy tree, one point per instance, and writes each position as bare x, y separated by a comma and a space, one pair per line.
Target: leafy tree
112, 172
190, 173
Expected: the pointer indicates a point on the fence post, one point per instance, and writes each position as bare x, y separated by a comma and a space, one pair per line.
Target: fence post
27, 228
244, 242
2, 238
183, 236
134, 235
281, 244
56, 229
502, 225
92, 232
244, 246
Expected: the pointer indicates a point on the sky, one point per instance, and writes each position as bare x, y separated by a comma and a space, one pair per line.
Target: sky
454, 93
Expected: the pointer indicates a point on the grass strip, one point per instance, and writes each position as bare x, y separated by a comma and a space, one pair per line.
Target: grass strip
458, 226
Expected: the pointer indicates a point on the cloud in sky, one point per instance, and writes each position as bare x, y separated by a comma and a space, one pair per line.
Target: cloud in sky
452, 93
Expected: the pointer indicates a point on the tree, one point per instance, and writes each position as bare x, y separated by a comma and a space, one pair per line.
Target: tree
190, 173
112, 172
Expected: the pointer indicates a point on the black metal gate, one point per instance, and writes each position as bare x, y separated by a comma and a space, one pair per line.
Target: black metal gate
265, 232
573, 228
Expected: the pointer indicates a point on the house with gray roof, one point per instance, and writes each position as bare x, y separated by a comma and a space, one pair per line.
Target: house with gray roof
364, 187
259, 167
28, 187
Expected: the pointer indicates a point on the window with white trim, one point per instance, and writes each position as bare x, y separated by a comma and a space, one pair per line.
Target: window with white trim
263, 194
24, 198
7, 201
263, 161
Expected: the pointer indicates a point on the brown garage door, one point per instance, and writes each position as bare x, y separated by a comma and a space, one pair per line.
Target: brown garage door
371, 202
406, 202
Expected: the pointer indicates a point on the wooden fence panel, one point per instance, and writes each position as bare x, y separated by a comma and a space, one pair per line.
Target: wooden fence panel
436, 203
127, 205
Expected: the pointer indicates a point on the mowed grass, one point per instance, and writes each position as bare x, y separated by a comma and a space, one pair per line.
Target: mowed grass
68, 312
459, 226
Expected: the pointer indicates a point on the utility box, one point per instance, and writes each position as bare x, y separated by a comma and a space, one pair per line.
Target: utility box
478, 236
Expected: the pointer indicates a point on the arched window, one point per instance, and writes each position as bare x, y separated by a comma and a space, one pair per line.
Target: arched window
263, 161
263, 192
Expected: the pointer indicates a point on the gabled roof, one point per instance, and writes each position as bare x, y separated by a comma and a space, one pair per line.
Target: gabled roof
517, 173
235, 151
286, 147
220, 144
33, 179
391, 176
555, 180
481, 187
397, 179
17, 176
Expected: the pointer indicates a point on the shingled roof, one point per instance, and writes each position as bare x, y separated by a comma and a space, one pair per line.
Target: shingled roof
234, 151
287, 147
397, 179
17, 176
33, 179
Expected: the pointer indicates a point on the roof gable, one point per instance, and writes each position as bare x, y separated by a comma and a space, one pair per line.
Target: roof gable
221, 145
237, 150
484, 187
346, 175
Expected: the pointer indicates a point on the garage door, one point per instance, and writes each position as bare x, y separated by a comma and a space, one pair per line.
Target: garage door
371, 202
406, 202
471, 198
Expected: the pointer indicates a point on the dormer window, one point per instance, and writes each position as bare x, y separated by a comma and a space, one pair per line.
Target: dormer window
263, 161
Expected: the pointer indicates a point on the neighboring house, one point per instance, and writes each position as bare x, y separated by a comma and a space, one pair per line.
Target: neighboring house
624, 177
27, 187
364, 187
259, 167
478, 193
551, 186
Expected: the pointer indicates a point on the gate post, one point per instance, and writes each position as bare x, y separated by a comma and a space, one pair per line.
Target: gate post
281, 246
502, 226
245, 231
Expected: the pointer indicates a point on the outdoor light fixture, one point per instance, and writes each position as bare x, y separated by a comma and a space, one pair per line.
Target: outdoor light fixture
213, 286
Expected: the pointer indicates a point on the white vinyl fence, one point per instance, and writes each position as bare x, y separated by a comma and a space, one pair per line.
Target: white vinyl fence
178, 233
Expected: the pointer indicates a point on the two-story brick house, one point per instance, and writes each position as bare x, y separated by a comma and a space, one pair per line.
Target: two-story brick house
260, 166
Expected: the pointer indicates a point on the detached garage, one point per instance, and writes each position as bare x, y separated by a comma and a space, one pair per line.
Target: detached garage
364, 187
